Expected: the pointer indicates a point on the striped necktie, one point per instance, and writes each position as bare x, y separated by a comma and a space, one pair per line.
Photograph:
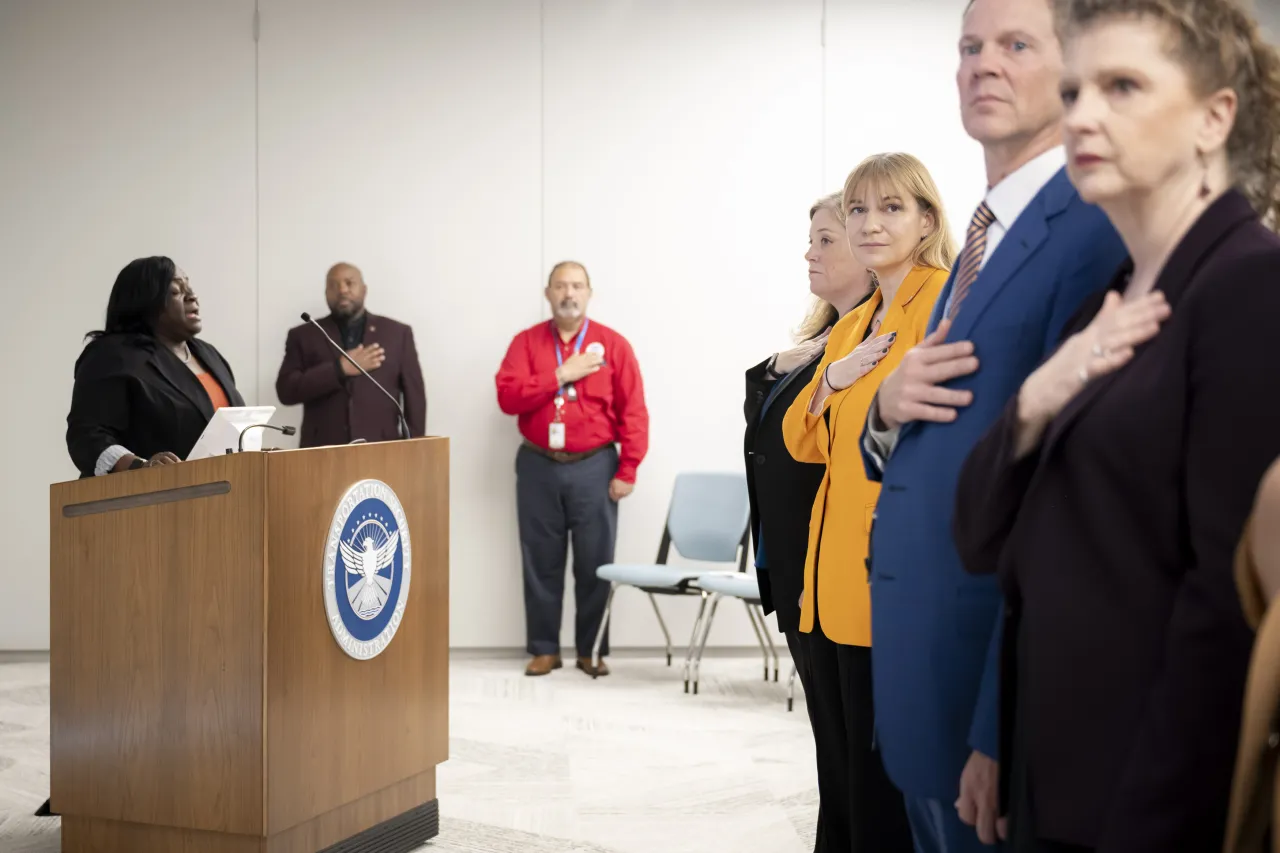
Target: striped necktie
975, 248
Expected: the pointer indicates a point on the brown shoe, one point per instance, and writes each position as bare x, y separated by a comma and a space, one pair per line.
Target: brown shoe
543, 664
600, 671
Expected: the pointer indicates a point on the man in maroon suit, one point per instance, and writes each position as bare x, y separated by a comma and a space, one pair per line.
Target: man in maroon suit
338, 405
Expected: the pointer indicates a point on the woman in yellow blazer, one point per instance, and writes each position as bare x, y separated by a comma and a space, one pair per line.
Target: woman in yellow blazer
897, 228
1253, 824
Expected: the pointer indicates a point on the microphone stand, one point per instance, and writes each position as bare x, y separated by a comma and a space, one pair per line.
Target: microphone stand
287, 430
403, 425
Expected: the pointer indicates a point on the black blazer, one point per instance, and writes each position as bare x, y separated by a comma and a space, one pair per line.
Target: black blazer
132, 391
781, 491
1114, 544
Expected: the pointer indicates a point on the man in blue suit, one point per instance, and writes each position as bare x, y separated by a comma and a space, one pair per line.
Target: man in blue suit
1032, 254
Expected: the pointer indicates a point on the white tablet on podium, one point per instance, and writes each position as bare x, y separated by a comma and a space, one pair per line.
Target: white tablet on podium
225, 427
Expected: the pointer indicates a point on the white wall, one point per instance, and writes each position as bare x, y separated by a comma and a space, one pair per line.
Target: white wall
454, 151
126, 129
888, 92
410, 147
680, 169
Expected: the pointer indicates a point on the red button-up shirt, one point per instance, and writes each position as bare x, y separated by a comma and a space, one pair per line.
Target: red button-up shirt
610, 405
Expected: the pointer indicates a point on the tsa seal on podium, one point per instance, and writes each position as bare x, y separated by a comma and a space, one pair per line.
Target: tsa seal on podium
367, 569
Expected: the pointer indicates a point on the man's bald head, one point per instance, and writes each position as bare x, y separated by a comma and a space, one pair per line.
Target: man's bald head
569, 266
345, 290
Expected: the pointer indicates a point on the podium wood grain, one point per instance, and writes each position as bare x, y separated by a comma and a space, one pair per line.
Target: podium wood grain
340, 728
199, 700
156, 649
93, 834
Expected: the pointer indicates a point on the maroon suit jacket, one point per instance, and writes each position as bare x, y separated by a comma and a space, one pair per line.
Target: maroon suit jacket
337, 409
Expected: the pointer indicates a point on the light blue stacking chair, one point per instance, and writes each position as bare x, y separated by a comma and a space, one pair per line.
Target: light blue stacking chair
745, 588
706, 521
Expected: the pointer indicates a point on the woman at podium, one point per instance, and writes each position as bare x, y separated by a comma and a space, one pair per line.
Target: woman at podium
146, 386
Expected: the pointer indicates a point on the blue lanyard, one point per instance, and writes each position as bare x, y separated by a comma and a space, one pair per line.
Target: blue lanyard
577, 346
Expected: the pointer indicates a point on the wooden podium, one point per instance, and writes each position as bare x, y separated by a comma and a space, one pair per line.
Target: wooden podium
200, 702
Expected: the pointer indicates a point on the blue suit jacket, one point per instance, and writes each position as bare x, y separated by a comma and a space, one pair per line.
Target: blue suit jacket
935, 628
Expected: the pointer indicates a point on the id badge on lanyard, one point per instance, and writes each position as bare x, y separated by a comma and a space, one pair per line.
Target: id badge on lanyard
555, 432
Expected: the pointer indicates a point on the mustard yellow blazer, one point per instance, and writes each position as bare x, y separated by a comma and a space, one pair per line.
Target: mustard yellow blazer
842, 510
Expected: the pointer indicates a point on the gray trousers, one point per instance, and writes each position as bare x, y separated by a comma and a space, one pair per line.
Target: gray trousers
556, 501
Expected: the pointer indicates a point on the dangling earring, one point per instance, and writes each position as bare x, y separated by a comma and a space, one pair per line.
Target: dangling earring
1205, 189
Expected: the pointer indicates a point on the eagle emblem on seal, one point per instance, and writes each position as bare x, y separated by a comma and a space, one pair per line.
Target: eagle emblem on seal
368, 558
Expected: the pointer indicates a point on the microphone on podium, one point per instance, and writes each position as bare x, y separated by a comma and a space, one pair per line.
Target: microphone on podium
403, 424
287, 430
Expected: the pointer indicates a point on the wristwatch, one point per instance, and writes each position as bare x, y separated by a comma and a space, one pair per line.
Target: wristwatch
138, 462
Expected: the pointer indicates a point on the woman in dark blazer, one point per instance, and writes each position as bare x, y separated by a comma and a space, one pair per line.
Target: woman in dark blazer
146, 386
782, 490
1111, 495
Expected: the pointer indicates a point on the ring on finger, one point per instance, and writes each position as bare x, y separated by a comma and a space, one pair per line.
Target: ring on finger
1084, 376
1098, 351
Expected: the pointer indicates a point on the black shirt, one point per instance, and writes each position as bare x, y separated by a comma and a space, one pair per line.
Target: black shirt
352, 331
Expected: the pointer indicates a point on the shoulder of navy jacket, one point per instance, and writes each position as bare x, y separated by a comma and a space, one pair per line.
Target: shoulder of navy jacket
1058, 194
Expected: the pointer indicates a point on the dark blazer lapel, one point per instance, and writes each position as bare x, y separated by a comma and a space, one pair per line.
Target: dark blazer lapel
1197, 247
214, 363
939, 307
180, 377
786, 381
1029, 232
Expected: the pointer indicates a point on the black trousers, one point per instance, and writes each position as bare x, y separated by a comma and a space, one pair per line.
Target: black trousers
861, 811
1022, 834
1022, 824
798, 643
558, 503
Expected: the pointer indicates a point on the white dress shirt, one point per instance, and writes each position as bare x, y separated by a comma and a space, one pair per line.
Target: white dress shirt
1007, 200
108, 459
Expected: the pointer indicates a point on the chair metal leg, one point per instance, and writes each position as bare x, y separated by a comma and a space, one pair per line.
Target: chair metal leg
768, 638
662, 622
604, 624
702, 644
751, 617
693, 640
791, 688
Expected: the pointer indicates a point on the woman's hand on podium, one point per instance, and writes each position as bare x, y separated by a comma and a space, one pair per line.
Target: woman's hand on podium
130, 461
163, 458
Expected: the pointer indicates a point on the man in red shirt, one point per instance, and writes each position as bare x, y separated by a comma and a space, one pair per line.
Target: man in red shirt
575, 386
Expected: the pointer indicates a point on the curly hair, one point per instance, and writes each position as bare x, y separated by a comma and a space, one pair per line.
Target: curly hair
1219, 44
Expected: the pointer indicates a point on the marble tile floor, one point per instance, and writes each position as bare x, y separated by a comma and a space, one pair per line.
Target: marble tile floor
561, 764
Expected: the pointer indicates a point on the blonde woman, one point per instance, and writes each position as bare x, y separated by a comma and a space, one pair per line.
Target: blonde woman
896, 228
781, 489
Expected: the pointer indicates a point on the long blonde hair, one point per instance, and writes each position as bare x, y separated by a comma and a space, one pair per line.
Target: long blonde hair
907, 175
822, 313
